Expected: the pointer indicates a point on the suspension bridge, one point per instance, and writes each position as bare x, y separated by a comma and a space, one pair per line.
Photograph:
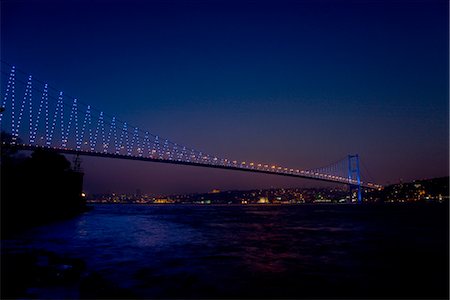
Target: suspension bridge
36, 115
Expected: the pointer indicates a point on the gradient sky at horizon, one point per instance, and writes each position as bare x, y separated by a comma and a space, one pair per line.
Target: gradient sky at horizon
296, 83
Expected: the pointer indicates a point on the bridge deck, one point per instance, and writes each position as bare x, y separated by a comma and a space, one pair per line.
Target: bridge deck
319, 177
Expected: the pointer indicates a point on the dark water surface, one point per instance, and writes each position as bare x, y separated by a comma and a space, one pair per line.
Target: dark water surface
304, 251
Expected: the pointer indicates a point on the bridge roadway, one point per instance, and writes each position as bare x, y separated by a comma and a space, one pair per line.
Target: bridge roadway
300, 174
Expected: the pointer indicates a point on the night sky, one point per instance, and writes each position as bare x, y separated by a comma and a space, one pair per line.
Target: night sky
296, 83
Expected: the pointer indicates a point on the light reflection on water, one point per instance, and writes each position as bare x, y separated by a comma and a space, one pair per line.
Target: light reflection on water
248, 251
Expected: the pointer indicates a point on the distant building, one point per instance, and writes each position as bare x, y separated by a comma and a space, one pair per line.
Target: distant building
263, 200
163, 201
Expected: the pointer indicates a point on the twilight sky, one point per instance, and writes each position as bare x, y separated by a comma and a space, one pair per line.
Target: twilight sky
296, 83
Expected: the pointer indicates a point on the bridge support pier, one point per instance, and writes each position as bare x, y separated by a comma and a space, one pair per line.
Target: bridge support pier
352, 188
354, 175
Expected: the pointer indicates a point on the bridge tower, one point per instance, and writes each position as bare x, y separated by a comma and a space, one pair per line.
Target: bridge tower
77, 163
354, 174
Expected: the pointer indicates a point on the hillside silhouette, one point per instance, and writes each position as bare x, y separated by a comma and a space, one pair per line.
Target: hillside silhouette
37, 189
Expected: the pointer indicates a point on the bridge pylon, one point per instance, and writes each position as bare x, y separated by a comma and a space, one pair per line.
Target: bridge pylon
354, 174
77, 163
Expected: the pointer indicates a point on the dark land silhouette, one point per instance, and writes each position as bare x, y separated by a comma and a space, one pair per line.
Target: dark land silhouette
37, 189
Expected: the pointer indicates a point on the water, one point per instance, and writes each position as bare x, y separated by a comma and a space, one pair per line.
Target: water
315, 251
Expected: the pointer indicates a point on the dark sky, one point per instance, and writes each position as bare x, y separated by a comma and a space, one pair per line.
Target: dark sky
296, 83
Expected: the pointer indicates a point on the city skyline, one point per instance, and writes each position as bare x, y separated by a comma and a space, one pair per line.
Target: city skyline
264, 88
